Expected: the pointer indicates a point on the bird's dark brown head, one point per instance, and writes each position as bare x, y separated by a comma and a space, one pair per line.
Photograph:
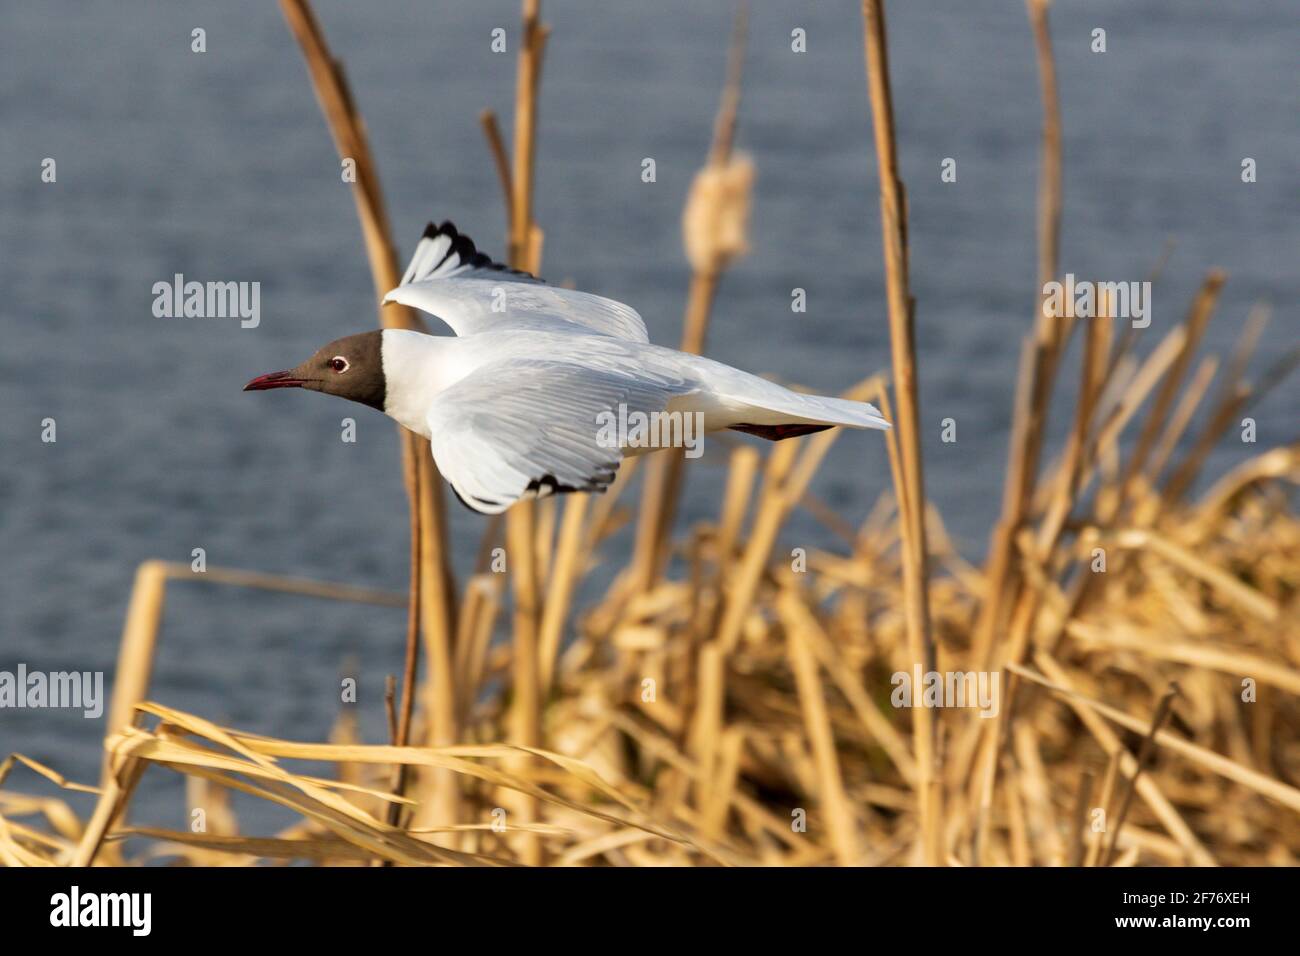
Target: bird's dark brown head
351, 367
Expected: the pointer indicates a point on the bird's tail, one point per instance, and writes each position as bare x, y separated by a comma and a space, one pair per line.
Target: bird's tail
787, 414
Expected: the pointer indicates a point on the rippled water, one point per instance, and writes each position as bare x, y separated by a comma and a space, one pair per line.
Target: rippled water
219, 166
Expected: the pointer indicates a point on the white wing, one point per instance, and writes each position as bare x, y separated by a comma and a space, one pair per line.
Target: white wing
524, 427
449, 278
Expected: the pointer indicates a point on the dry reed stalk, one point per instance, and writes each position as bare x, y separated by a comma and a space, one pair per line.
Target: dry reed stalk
730, 748
478, 618
524, 233
525, 245
1014, 811
441, 705
783, 486
255, 759
525, 722
497, 147
876, 724
1256, 321
713, 228
710, 693
423, 486
113, 800
400, 726
544, 543
135, 656
144, 621
661, 748
830, 790
1039, 356
1122, 409
1105, 805
1146, 787
1231, 405
1181, 418
1071, 476
135, 664
1079, 821
1070, 469
1246, 597
1036, 790
1049, 187
306, 587
1262, 784
568, 567
1278, 463
911, 494
1202, 312
1143, 756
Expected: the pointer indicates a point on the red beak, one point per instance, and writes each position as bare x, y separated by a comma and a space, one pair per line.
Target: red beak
283, 379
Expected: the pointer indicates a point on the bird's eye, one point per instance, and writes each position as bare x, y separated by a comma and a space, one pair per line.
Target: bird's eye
339, 363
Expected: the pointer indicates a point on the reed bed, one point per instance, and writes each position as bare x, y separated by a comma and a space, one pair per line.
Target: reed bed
723, 704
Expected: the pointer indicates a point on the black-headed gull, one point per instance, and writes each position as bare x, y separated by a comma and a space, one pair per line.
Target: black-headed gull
522, 401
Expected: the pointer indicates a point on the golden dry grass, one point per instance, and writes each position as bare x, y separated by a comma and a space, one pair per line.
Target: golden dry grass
738, 712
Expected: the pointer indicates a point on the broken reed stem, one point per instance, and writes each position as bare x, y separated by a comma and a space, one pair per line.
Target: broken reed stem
113, 799
1197, 322
911, 495
144, 621
496, 145
135, 656
423, 487
130, 685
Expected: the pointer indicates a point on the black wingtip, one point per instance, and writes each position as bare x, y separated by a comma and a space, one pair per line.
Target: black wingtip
446, 228
462, 246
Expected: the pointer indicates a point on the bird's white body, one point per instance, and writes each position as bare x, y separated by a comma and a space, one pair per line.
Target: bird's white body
511, 403
419, 367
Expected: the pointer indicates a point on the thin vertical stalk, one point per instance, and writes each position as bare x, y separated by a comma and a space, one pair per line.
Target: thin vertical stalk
911, 493
1143, 756
663, 479
1042, 353
567, 570
423, 488
799, 624
401, 726
521, 523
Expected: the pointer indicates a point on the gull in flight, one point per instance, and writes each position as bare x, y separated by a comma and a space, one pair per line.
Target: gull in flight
512, 405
